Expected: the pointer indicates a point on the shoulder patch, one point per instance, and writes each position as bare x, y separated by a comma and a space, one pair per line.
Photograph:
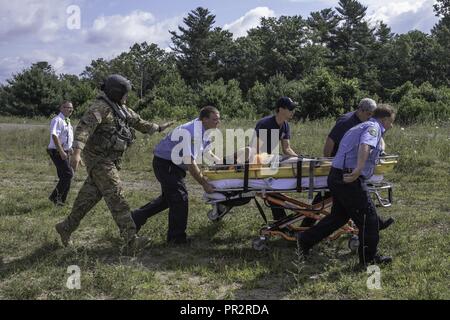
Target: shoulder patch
373, 131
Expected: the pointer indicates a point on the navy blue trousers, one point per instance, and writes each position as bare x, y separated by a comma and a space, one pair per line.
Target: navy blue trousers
350, 201
65, 175
174, 196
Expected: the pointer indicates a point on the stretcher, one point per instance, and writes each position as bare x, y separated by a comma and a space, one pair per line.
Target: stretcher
275, 183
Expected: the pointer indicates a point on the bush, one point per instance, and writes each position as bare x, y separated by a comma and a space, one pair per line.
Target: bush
257, 97
423, 103
170, 99
227, 98
326, 95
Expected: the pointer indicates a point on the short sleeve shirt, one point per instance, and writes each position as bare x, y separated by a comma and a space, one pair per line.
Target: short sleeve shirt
61, 127
370, 133
188, 138
270, 124
343, 124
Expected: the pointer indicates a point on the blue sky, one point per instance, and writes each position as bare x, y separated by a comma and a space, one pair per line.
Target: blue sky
36, 30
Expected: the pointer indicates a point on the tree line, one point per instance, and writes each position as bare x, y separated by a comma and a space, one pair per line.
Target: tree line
326, 62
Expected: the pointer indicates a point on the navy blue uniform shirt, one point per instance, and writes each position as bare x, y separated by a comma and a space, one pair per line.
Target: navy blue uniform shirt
269, 123
343, 124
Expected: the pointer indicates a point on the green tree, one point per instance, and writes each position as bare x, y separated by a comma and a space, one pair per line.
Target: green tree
97, 71
170, 98
200, 50
326, 95
227, 97
354, 39
409, 57
79, 91
248, 68
32, 92
441, 32
323, 25
282, 42
143, 65
442, 8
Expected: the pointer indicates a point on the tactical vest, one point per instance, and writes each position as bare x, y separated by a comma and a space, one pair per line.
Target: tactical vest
123, 135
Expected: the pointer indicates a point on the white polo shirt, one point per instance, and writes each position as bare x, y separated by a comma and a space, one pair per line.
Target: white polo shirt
63, 130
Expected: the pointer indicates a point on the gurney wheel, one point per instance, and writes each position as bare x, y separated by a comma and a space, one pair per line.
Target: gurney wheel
213, 215
260, 244
353, 243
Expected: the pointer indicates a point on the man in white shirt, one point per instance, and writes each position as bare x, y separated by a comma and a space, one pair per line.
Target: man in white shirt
59, 149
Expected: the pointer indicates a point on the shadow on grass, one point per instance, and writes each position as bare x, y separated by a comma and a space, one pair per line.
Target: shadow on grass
272, 277
29, 261
56, 255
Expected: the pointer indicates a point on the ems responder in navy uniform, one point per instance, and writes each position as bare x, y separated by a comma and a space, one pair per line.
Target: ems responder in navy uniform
170, 164
353, 164
285, 109
344, 123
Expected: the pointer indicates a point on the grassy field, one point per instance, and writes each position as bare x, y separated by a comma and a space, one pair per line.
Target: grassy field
220, 263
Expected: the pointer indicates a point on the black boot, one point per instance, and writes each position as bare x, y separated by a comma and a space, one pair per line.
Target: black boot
377, 259
303, 249
386, 223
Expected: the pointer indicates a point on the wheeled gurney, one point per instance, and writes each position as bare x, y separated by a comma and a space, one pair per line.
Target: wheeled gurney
237, 185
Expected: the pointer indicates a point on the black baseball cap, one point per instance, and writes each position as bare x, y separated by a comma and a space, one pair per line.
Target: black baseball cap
287, 103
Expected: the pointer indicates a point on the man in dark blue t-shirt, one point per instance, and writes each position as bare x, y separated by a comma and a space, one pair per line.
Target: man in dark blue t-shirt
277, 125
345, 122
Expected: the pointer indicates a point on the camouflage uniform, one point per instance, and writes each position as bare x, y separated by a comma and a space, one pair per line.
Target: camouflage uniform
97, 135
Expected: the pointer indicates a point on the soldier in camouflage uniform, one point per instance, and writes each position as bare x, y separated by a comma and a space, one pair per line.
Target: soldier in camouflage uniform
103, 134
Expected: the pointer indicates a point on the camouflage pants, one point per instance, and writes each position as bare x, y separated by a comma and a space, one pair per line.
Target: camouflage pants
103, 181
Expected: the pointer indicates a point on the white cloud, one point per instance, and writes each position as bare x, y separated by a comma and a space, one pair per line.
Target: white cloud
41, 19
122, 31
14, 65
401, 15
250, 20
387, 10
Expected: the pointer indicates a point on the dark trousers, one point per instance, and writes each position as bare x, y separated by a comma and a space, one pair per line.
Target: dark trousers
309, 222
65, 175
350, 200
278, 213
174, 196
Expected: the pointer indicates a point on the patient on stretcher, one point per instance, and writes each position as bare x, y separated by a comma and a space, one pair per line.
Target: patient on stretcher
270, 172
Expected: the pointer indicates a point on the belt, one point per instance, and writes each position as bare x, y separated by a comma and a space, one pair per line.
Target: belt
345, 170
169, 162
163, 160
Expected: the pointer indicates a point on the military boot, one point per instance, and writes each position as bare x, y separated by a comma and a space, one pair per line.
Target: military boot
63, 232
135, 245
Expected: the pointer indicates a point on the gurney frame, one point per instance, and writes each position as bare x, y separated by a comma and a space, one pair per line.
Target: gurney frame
287, 228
